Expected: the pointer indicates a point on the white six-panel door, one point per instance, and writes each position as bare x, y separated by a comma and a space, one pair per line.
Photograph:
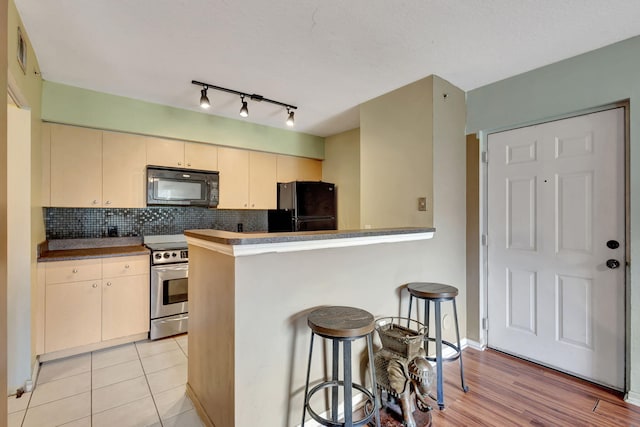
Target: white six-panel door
555, 198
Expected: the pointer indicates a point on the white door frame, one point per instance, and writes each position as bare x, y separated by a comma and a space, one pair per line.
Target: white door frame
484, 225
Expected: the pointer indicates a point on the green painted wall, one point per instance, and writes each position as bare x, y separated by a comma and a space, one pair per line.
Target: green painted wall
82, 107
593, 79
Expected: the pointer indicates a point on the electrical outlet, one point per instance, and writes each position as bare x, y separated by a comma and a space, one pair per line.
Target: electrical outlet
240, 227
422, 203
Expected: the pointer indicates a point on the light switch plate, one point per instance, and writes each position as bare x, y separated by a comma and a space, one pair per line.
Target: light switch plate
422, 203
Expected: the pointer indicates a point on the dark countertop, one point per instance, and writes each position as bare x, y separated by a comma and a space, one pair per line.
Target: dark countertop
231, 238
75, 249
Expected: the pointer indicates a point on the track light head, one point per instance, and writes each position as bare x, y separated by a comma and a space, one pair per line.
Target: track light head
290, 119
244, 111
204, 100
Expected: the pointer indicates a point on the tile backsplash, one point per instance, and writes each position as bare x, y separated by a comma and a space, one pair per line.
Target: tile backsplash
80, 223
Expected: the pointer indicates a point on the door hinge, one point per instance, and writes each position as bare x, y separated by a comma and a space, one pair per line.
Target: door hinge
485, 324
485, 157
484, 239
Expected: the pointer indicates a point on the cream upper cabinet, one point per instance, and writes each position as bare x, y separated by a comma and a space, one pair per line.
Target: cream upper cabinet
201, 156
123, 170
180, 154
292, 168
233, 165
76, 166
165, 152
262, 180
45, 182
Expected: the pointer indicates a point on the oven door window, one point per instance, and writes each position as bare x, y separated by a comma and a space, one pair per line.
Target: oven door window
174, 291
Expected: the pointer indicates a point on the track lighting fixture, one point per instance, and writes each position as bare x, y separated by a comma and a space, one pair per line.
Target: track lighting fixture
244, 110
290, 120
204, 101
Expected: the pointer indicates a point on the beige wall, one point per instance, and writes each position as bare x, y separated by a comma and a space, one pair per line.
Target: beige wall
396, 157
3, 209
26, 86
412, 144
19, 242
473, 238
445, 261
342, 167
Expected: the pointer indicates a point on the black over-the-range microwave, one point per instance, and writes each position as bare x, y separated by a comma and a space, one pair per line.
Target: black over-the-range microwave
182, 187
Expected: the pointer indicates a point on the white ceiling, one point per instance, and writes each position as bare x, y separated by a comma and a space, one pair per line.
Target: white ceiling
324, 56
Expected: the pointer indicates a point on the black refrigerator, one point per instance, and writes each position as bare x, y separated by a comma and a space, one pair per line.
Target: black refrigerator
304, 206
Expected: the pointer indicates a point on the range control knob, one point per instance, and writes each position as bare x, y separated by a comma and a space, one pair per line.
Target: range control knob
174, 254
157, 256
166, 255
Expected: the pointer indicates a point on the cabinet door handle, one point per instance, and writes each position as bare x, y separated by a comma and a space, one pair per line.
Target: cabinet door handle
95, 202
126, 266
75, 270
108, 202
95, 285
108, 283
179, 163
189, 164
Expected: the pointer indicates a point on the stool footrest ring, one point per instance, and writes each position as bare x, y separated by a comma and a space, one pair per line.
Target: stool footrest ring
448, 344
325, 422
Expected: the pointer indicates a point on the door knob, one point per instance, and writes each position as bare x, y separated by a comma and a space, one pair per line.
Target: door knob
613, 263
613, 244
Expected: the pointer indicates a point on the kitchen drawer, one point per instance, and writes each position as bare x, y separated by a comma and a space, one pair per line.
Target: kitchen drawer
125, 266
73, 271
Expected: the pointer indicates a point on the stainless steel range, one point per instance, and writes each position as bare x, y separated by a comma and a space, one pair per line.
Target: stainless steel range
169, 285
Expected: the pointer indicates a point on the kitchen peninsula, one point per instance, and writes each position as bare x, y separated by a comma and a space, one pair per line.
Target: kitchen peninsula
249, 296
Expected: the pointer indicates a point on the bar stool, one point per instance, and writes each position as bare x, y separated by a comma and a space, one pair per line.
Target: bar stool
342, 325
437, 293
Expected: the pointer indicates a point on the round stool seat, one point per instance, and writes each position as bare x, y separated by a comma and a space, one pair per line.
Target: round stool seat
341, 322
427, 290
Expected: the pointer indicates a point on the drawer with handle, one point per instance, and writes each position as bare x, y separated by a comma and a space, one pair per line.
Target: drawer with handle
125, 266
73, 271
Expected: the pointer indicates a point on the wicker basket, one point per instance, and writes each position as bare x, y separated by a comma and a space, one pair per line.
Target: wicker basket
399, 338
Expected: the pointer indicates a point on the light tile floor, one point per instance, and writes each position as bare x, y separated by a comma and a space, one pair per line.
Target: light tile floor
133, 385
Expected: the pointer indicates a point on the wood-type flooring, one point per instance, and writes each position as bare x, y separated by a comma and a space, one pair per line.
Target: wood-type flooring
507, 391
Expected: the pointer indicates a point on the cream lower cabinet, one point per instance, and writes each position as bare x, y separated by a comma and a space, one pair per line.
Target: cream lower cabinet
125, 306
73, 315
80, 311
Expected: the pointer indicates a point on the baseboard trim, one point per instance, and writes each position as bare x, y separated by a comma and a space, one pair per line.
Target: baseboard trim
472, 344
632, 397
92, 347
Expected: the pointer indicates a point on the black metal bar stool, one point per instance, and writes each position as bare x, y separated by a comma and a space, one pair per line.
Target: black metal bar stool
437, 293
342, 325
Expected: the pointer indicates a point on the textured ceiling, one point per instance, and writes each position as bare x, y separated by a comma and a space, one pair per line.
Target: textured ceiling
326, 57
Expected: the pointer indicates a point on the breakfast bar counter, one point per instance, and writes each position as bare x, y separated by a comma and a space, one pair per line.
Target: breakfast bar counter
249, 296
